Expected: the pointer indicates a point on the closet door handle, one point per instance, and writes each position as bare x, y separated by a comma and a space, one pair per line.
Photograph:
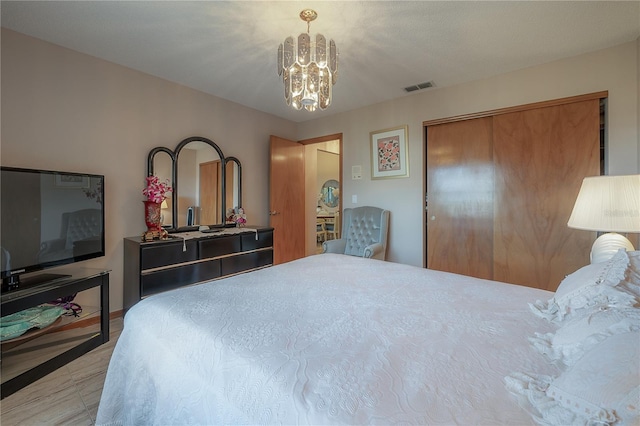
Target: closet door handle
273, 213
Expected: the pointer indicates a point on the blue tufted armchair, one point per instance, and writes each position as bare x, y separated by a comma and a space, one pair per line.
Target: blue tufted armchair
364, 233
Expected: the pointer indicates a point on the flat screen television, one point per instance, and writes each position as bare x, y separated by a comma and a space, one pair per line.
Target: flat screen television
48, 219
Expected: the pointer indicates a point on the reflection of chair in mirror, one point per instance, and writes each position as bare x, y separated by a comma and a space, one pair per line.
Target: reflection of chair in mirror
80, 233
321, 232
332, 226
364, 233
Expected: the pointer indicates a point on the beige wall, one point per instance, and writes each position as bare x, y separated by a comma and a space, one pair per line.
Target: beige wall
614, 69
62, 110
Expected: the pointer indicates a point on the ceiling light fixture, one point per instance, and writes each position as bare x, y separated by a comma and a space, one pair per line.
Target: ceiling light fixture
308, 70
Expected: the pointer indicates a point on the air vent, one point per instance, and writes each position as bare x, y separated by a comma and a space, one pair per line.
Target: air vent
420, 86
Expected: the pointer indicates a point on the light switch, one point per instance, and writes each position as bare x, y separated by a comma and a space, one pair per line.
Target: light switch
354, 199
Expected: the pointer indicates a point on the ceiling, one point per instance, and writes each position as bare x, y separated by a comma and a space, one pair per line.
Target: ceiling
228, 48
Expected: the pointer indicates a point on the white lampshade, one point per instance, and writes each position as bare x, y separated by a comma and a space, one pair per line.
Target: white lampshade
608, 204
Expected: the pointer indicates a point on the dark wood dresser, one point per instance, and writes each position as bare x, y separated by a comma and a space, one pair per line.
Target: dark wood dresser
155, 266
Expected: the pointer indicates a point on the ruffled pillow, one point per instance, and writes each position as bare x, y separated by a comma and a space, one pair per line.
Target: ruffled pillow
600, 388
597, 284
581, 333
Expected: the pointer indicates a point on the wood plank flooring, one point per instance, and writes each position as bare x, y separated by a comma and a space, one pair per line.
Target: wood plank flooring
69, 395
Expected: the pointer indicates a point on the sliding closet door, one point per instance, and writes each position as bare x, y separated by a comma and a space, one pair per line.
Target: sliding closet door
460, 197
541, 156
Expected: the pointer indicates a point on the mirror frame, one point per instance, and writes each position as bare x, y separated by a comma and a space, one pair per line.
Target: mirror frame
323, 201
174, 155
234, 160
151, 172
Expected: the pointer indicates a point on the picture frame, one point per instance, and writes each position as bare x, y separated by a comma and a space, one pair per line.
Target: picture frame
71, 181
389, 153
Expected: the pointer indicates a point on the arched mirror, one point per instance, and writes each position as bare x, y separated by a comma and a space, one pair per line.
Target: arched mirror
330, 194
200, 183
204, 183
160, 162
233, 192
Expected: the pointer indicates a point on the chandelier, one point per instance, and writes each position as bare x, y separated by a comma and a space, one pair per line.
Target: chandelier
308, 70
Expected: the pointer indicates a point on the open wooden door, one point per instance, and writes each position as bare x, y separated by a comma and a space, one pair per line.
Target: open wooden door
286, 199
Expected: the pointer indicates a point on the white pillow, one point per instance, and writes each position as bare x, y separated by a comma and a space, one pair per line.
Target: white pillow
596, 284
582, 332
633, 272
601, 388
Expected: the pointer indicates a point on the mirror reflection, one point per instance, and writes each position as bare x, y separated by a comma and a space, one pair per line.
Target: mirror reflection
163, 168
204, 182
233, 194
199, 185
330, 193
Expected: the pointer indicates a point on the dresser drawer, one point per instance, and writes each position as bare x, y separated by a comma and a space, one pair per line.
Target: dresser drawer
243, 262
169, 279
219, 246
249, 242
154, 256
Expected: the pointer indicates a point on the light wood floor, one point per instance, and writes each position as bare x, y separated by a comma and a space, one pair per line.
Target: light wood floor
69, 395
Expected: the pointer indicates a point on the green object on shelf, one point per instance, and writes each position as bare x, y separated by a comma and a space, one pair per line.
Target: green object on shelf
17, 324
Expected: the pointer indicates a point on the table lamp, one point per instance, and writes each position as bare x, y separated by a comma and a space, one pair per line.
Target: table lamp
608, 204
163, 206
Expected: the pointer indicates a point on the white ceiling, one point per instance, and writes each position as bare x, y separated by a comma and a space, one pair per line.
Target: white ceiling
228, 48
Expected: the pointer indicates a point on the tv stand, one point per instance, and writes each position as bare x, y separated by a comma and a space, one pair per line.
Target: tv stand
15, 281
25, 361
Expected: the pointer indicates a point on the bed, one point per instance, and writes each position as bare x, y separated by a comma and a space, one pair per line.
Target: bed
335, 339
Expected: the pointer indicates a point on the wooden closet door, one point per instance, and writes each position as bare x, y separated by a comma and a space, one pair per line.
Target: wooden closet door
460, 197
541, 156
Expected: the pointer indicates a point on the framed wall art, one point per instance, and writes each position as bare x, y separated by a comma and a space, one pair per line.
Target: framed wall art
389, 153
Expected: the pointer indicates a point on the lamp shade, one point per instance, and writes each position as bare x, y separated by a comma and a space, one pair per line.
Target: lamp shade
608, 204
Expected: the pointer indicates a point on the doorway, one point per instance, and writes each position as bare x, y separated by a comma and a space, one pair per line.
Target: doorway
323, 163
283, 215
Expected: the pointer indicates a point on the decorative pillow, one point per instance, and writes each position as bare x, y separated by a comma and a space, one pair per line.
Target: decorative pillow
596, 284
582, 332
601, 388
633, 271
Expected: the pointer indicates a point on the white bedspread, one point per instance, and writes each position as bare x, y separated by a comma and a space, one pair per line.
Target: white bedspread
328, 339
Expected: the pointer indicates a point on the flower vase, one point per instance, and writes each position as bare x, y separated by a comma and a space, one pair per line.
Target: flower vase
152, 216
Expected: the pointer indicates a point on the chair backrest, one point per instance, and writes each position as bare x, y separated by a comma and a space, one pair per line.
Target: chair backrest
336, 225
80, 225
321, 230
363, 226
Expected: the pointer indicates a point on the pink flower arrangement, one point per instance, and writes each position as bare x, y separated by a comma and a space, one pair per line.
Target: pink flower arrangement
241, 217
156, 191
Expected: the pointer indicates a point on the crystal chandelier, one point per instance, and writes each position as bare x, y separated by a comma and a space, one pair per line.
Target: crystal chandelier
309, 70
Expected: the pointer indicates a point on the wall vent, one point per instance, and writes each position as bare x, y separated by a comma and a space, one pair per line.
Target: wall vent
420, 86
